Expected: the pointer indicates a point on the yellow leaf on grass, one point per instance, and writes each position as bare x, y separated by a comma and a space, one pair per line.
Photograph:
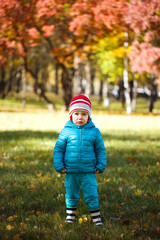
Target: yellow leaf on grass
9, 227
11, 219
80, 220
138, 192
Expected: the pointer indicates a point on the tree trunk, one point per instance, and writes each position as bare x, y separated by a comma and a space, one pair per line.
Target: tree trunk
127, 95
92, 80
7, 85
125, 78
101, 91
82, 80
78, 77
88, 78
153, 96
18, 78
134, 96
121, 96
2, 83
106, 94
38, 88
76, 83
67, 76
23, 87
56, 78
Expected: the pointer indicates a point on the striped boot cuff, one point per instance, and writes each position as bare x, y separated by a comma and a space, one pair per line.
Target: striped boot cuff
71, 213
96, 217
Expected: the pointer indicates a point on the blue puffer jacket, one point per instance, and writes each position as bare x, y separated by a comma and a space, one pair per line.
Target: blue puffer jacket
80, 149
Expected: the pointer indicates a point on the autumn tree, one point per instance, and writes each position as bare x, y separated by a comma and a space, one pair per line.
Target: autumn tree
139, 20
102, 19
18, 33
27, 24
36, 23
143, 19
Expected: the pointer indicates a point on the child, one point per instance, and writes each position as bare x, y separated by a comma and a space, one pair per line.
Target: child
80, 154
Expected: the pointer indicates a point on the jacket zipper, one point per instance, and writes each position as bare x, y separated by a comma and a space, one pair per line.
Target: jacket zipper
80, 142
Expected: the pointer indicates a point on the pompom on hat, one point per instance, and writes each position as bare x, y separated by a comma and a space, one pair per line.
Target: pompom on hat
80, 103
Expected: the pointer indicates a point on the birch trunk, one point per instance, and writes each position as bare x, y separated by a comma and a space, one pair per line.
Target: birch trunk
106, 94
88, 79
125, 78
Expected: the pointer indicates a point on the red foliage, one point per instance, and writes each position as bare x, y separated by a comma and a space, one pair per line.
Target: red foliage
95, 14
143, 57
144, 19
75, 23
141, 17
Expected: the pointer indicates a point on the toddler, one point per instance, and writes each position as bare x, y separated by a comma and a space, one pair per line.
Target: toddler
80, 153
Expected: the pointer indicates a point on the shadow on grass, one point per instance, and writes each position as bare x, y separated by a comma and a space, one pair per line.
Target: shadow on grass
127, 136
25, 134
124, 135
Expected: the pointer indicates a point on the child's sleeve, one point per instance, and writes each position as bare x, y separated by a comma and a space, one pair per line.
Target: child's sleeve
100, 152
59, 151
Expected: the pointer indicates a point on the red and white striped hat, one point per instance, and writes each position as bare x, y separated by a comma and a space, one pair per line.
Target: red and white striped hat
80, 103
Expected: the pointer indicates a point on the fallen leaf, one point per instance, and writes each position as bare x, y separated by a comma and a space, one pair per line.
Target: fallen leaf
9, 227
131, 159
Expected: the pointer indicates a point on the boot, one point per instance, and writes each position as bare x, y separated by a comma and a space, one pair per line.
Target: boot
96, 217
71, 213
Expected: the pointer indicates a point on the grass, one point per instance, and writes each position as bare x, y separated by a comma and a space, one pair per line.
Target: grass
32, 194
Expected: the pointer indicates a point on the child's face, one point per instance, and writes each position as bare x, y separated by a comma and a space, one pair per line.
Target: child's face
80, 118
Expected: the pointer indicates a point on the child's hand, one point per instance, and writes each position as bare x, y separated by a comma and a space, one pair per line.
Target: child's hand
63, 171
96, 170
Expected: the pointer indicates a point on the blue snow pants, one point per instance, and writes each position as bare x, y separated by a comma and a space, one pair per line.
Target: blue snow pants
87, 183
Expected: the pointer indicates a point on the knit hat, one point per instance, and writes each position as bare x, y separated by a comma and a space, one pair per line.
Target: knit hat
80, 103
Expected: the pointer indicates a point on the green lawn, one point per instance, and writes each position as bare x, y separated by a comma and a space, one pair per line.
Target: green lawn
32, 194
